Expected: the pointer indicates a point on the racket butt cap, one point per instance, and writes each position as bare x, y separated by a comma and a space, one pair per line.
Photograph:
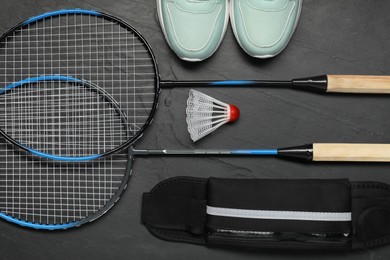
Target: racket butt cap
302, 152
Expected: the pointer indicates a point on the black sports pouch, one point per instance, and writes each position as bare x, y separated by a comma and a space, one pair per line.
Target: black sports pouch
302, 214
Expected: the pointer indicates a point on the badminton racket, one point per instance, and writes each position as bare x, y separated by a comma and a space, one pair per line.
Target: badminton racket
89, 48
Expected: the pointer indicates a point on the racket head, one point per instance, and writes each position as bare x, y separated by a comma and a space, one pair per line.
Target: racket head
92, 46
44, 194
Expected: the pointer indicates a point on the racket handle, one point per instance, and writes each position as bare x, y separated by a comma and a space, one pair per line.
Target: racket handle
359, 84
351, 152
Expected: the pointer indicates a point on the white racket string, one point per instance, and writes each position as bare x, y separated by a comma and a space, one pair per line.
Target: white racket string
44, 191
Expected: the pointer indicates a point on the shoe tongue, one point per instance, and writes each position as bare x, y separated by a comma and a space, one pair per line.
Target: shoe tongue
268, 5
196, 6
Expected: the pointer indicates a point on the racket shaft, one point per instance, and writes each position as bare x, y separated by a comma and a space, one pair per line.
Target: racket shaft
208, 152
226, 83
311, 152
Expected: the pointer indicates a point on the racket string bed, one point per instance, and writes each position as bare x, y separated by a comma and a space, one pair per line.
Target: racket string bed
50, 125
52, 194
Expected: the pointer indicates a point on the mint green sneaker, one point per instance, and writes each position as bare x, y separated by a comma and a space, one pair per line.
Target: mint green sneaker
263, 28
194, 29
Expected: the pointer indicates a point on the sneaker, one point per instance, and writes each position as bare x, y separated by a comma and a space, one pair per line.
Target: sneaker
194, 29
263, 28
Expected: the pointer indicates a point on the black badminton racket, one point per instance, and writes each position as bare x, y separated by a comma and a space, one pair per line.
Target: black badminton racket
115, 72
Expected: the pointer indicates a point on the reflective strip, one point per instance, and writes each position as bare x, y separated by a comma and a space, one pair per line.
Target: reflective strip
279, 215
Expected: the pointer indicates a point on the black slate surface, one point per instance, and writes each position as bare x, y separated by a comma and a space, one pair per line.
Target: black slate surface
339, 37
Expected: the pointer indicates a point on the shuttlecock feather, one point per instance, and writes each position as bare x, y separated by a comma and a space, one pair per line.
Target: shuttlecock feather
205, 114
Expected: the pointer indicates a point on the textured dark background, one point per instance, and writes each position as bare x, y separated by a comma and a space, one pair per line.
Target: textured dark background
344, 37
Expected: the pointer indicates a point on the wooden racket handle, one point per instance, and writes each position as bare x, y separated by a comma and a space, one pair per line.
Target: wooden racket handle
359, 84
351, 152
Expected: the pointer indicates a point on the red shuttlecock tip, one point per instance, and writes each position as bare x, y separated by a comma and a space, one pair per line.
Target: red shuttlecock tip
234, 113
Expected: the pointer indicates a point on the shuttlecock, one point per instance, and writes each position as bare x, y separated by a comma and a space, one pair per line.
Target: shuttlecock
205, 114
